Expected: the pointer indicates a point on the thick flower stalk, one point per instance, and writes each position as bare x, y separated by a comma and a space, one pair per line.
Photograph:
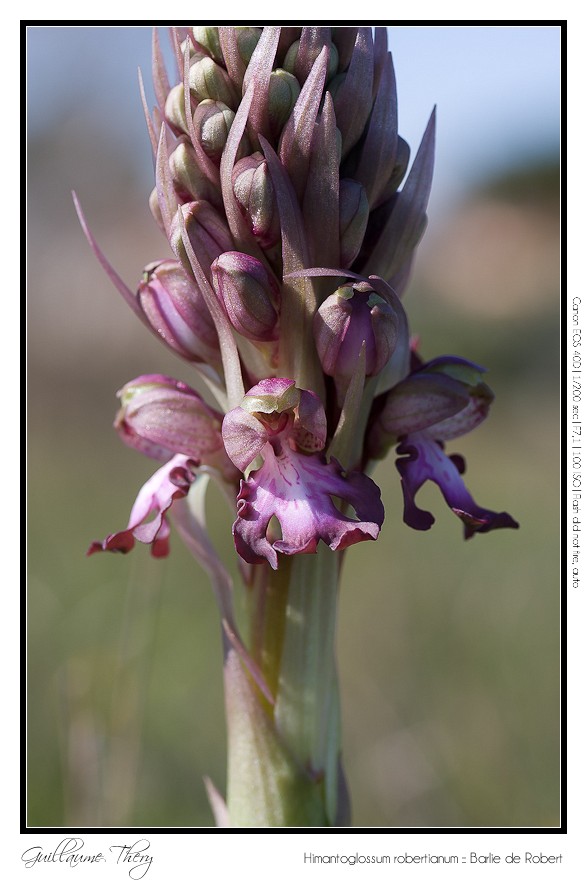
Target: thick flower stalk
281, 188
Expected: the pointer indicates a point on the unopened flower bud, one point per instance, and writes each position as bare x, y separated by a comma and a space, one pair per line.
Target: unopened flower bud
212, 122
161, 417
156, 209
254, 191
292, 63
207, 232
193, 52
209, 40
175, 109
287, 36
354, 215
247, 39
188, 179
177, 312
248, 295
284, 90
354, 315
208, 80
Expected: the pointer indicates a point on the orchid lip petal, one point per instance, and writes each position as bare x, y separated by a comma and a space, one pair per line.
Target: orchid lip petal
426, 460
297, 490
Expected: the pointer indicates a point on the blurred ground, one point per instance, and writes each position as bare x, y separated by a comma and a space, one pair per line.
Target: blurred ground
449, 651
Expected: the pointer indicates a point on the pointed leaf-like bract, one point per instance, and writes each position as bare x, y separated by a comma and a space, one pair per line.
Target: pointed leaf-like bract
379, 151
322, 192
297, 353
296, 138
259, 71
353, 100
159, 73
406, 223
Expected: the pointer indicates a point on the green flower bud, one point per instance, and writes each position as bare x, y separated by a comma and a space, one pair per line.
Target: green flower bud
212, 122
210, 41
247, 39
284, 90
175, 109
292, 65
208, 80
354, 214
195, 54
188, 179
207, 232
254, 191
155, 210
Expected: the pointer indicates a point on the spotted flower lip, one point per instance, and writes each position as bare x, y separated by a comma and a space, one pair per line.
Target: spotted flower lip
425, 460
171, 482
295, 484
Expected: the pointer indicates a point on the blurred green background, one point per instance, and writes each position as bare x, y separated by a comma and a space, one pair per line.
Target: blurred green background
449, 651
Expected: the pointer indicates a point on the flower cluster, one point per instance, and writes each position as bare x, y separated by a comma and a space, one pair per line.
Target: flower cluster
281, 189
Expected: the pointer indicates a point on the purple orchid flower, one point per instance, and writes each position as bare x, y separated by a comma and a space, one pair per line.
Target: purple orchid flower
284, 425
442, 399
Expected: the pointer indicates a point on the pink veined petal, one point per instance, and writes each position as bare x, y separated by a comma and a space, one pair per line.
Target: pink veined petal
297, 489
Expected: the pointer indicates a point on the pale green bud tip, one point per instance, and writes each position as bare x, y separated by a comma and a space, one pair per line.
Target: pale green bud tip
209, 39
212, 122
208, 80
247, 39
254, 191
292, 64
284, 90
188, 179
175, 108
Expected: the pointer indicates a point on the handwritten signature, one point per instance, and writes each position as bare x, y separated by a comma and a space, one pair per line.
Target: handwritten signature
69, 851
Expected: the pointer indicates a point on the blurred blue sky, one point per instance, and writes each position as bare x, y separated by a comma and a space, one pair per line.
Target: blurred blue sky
497, 89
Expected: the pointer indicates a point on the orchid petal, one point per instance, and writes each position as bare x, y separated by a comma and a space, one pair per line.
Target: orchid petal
297, 490
171, 482
425, 460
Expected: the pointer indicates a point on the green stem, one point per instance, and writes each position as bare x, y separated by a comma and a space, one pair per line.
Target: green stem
284, 760
267, 610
